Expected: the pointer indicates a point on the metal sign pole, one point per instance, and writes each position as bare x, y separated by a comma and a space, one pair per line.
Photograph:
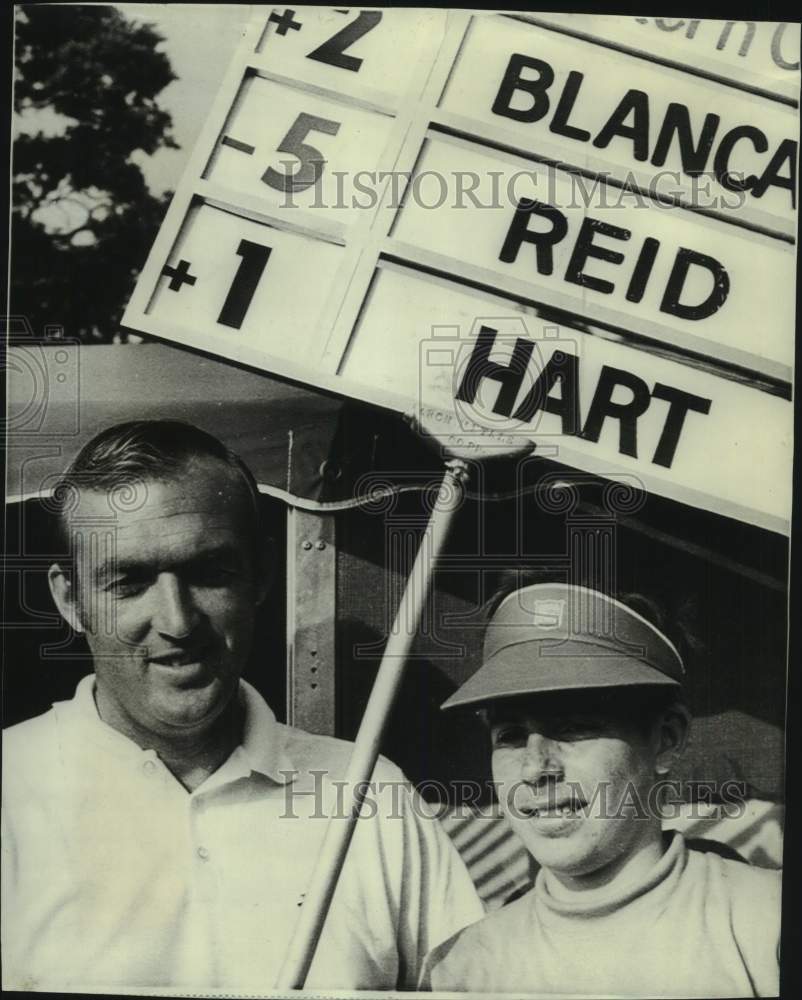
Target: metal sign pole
366, 746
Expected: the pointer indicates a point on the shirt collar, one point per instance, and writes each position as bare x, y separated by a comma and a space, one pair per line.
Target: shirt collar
262, 748
263, 739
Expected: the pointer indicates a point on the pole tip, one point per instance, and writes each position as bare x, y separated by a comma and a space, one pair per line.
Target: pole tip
441, 431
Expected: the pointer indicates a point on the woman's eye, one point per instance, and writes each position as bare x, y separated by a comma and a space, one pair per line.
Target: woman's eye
509, 736
576, 729
567, 732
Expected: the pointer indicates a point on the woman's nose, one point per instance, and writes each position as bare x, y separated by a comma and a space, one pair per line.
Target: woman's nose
540, 759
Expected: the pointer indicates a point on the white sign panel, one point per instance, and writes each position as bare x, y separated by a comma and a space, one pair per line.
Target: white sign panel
306, 153
492, 367
312, 174
236, 280
558, 97
757, 55
556, 238
350, 50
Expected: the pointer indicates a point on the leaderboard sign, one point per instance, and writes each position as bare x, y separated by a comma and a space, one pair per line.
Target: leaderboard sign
424, 208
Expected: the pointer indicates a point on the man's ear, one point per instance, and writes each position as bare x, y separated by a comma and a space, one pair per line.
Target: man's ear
265, 570
671, 736
64, 596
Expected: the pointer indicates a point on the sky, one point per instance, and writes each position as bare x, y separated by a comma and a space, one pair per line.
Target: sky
200, 41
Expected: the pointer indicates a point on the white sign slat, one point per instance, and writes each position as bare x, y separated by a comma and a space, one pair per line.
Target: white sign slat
351, 50
610, 409
543, 93
237, 281
758, 55
307, 152
601, 252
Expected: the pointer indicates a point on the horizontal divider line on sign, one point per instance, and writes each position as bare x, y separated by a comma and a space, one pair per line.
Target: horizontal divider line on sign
369, 99
465, 129
757, 88
244, 206
681, 348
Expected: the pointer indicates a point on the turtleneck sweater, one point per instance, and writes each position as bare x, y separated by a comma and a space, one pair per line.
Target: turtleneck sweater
695, 924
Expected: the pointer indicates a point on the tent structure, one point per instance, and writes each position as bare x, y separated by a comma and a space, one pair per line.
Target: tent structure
346, 487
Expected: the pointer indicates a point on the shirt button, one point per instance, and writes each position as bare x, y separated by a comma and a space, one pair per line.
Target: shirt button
149, 767
203, 854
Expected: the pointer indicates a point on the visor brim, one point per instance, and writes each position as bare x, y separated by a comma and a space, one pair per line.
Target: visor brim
511, 673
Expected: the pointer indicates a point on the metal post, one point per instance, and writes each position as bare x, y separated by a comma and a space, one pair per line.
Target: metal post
366, 746
311, 620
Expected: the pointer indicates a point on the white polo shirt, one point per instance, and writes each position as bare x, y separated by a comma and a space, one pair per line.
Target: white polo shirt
115, 876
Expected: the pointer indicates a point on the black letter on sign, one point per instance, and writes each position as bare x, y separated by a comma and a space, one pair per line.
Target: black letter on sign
643, 268
510, 375
637, 102
312, 161
771, 175
333, 50
559, 123
721, 161
513, 81
680, 402
254, 258
564, 367
679, 272
776, 48
518, 234
585, 247
626, 413
677, 121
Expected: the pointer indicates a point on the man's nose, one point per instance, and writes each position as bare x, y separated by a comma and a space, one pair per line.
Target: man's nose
176, 613
541, 759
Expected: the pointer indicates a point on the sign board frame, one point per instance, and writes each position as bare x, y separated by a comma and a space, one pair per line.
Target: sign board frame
368, 241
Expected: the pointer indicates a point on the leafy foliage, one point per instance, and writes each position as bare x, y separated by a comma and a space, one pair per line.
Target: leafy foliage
83, 218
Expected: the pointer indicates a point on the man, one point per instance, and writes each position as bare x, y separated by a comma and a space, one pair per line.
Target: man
583, 699
160, 828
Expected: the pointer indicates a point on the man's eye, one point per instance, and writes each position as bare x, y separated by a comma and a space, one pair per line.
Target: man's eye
126, 587
215, 575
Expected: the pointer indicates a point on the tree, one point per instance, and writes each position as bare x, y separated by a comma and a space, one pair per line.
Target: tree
83, 218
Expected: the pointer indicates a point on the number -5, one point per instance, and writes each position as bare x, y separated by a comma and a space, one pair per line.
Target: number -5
312, 161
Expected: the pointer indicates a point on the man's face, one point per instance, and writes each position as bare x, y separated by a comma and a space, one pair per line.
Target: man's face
573, 780
168, 609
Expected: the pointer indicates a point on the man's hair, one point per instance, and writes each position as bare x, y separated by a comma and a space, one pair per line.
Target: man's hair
147, 450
